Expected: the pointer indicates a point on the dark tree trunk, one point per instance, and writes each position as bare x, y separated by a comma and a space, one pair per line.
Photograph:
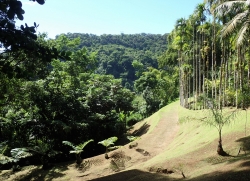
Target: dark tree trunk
220, 150
78, 159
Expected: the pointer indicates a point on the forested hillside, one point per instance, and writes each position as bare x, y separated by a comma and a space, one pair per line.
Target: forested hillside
74, 89
122, 55
58, 96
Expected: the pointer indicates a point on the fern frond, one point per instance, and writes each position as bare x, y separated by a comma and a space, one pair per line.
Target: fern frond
68, 143
3, 147
18, 153
5, 159
132, 138
114, 148
82, 145
75, 151
108, 142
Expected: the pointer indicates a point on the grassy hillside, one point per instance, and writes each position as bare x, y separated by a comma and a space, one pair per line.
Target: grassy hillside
177, 142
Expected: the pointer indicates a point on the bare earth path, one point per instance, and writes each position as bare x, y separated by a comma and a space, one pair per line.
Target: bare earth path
153, 142
164, 132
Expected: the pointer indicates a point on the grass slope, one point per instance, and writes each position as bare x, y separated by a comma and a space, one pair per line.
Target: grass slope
194, 149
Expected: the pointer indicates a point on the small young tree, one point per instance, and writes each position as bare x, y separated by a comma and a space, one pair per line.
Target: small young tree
219, 119
107, 143
78, 149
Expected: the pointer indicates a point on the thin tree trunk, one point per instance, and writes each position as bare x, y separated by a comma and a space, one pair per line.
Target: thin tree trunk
220, 150
181, 80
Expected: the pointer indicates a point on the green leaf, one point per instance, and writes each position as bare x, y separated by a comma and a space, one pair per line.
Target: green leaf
114, 148
108, 142
75, 151
69, 144
5, 159
81, 146
18, 153
132, 138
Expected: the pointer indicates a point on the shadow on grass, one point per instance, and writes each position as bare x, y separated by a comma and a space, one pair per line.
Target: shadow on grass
142, 130
40, 174
243, 154
245, 143
135, 175
243, 175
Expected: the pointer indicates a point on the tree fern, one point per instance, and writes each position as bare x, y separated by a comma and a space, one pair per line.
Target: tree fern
77, 149
69, 144
108, 142
18, 153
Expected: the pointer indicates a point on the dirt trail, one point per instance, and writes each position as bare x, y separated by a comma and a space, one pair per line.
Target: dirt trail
163, 134
154, 141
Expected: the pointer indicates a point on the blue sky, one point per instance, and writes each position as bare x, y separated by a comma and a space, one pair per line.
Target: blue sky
107, 16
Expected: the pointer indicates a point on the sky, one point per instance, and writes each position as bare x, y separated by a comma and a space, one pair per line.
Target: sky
106, 16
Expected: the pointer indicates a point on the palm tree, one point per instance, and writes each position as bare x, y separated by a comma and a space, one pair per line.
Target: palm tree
238, 25
180, 29
219, 119
200, 13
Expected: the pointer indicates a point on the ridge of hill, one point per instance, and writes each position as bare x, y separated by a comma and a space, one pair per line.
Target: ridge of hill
116, 53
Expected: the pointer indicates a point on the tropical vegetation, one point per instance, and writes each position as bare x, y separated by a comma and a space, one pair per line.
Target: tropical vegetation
84, 87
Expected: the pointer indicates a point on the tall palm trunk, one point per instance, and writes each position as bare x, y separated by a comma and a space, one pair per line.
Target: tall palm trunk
194, 69
181, 91
200, 62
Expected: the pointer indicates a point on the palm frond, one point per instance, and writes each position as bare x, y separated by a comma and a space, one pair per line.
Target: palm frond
233, 24
242, 35
227, 7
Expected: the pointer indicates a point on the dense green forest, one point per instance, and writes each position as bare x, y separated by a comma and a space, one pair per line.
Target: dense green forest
123, 56
80, 87
212, 52
74, 88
